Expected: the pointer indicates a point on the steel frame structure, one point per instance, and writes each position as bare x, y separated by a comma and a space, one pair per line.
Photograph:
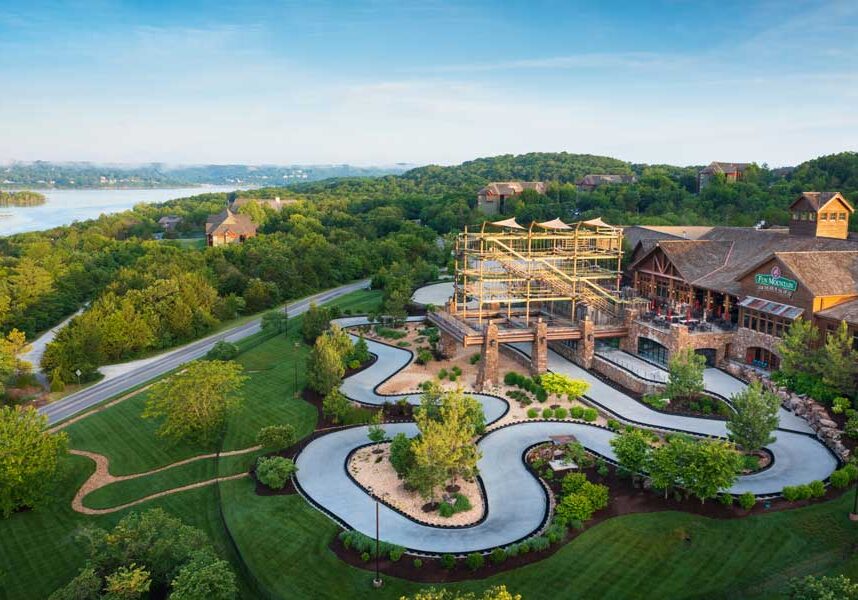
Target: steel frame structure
548, 268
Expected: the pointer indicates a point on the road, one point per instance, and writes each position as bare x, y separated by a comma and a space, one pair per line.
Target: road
151, 368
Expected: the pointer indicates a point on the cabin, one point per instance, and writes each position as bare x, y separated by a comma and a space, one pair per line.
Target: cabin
491, 199
732, 172
228, 227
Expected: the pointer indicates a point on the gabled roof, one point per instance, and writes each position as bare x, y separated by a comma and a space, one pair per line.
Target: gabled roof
724, 167
845, 311
228, 221
510, 188
819, 200
830, 273
602, 179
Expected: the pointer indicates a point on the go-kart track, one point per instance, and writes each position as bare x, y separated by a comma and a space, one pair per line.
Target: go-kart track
516, 502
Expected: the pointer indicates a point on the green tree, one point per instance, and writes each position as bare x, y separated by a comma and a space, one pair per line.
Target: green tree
260, 295
360, 353
493, 593
401, 454
275, 471
193, 404
336, 406
798, 349
685, 378
324, 366
205, 577
754, 419
376, 433
837, 587
315, 321
29, 458
127, 583
841, 361
633, 450
85, 586
562, 385
711, 467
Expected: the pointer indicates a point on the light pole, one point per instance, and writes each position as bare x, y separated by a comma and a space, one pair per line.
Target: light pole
377, 582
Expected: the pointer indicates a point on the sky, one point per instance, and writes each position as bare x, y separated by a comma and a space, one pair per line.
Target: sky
375, 83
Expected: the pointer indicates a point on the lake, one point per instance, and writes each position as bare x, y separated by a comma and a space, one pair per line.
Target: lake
65, 206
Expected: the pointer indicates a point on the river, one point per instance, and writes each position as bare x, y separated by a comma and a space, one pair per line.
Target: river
66, 206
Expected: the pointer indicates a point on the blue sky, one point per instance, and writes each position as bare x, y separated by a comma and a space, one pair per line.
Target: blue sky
426, 82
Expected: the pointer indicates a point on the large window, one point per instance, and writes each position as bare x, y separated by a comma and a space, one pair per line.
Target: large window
764, 322
762, 358
653, 351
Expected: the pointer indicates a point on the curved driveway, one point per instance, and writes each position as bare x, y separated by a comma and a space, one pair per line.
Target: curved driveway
516, 502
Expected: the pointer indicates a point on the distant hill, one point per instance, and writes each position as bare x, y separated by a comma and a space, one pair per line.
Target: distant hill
41, 174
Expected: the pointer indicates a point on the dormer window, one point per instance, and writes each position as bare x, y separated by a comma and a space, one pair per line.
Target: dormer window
843, 216
823, 216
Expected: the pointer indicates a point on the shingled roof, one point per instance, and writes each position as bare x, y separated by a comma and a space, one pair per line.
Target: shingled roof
845, 311
827, 273
230, 221
510, 188
819, 199
724, 167
707, 265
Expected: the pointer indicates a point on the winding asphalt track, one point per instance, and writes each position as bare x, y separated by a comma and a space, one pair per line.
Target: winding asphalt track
516, 502
149, 369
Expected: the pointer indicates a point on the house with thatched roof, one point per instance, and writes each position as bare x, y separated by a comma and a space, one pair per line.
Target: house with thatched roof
228, 227
492, 198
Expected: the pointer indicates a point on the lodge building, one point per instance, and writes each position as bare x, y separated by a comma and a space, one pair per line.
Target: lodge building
731, 292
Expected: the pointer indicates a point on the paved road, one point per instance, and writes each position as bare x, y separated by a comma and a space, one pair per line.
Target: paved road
516, 501
148, 369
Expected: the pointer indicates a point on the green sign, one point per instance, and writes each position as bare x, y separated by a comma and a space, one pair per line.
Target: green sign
775, 281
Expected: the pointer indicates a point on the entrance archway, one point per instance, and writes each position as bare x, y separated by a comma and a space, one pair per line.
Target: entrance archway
709, 354
762, 358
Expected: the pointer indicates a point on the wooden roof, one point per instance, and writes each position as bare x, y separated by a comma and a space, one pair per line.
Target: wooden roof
818, 200
724, 167
230, 222
845, 311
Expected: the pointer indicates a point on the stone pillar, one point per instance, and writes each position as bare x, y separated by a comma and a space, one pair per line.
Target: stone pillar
447, 346
487, 374
587, 344
539, 352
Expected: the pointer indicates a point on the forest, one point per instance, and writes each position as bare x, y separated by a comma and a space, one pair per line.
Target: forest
142, 294
22, 198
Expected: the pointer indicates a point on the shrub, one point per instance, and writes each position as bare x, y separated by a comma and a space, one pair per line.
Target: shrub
852, 469
442, 374
817, 489
524, 547
511, 378
572, 483
532, 413
613, 425
452, 377
418, 562
851, 427
475, 358
475, 561
448, 561
401, 454
840, 405
803, 491
560, 413
424, 356
364, 556
457, 371
498, 555
840, 478
541, 394
276, 436
575, 506
513, 550
462, 503
602, 468
576, 412
223, 350
396, 553
590, 414
747, 500
556, 533
445, 509
726, 499
539, 543
275, 471
547, 413
790, 493
655, 401
596, 494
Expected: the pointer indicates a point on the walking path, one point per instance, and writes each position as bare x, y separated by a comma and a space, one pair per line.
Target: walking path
101, 477
516, 502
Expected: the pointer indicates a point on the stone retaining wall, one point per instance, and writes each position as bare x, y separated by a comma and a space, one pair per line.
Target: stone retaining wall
809, 409
625, 378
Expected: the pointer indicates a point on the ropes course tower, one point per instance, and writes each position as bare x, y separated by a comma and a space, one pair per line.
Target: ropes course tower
553, 271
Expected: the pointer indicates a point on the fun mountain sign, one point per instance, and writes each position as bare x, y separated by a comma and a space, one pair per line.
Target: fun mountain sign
775, 281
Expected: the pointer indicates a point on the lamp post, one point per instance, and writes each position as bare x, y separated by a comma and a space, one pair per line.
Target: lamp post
377, 582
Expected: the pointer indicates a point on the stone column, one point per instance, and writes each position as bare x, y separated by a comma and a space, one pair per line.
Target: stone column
587, 344
539, 352
448, 344
487, 374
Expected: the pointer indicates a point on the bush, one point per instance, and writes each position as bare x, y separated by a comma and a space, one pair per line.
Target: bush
475, 561
547, 413
417, 563
747, 500
462, 503
851, 427
457, 371
424, 356
222, 350
840, 479
556, 532
576, 412
656, 401
453, 377
541, 394
590, 414
803, 491
364, 556
560, 413
524, 547
726, 499
532, 413
539, 543
276, 436
840, 405
401, 454
448, 561
442, 374
613, 425
602, 468
574, 507
498, 555
513, 550
275, 471
572, 483
445, 509
596, 494
396, 553
790, 493
511, 378
817, 489
475, 358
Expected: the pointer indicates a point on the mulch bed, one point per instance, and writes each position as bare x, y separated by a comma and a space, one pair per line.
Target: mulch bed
625, 499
